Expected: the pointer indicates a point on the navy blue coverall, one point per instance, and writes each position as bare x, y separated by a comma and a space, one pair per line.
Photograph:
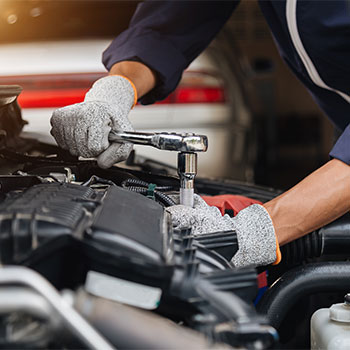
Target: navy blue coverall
313, 38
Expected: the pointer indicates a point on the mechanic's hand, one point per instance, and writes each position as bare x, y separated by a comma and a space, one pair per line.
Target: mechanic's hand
83, 128
253, 225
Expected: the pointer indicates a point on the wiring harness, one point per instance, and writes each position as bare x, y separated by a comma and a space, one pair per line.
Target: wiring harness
150, 190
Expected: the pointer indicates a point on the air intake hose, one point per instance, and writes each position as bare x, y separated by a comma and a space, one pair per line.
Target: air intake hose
301, 282
332, 239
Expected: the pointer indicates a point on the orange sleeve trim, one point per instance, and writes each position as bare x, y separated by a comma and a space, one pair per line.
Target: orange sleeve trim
133, 86
278, 253
278, 250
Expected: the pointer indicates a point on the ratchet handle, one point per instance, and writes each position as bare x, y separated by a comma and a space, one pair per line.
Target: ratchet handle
163, 140
137, 138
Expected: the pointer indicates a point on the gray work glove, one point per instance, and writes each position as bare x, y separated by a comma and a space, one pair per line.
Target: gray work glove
83, 128
253, 225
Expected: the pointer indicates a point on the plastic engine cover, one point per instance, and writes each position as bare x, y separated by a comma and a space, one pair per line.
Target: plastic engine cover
115, 218
133, 221
41, 213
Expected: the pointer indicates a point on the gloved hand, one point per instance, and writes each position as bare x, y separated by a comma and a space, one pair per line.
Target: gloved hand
83, 128
257, 244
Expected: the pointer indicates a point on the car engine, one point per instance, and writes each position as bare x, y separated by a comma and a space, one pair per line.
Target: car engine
89, 259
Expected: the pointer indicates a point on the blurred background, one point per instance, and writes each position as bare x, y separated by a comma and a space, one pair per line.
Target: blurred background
262, 125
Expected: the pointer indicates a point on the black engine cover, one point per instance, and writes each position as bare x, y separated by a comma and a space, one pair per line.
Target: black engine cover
51, 217
133, 221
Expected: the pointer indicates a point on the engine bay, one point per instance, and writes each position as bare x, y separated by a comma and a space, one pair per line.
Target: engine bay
90, 259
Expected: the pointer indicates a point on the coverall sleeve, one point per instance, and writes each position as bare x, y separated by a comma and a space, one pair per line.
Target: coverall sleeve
341, 149
338, 111
167, 36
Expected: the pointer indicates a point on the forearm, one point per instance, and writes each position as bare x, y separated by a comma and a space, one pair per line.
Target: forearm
167, 36
319, 199
143, 77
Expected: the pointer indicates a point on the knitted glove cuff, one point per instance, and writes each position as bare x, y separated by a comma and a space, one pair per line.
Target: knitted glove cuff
256, 237
115, 90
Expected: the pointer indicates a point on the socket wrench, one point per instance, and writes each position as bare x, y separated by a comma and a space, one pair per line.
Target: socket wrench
186, 144
163, 140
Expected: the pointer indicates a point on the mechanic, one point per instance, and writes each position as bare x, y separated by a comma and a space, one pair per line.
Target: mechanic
146, 62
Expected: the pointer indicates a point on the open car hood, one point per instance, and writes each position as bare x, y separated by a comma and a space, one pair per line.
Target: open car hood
72, 231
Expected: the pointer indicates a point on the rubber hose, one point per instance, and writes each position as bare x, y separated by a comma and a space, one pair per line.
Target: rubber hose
309, 246
301, 282
332, 239
336, 237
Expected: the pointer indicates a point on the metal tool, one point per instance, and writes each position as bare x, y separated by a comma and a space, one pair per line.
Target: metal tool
163, 140
187, 170
186, 144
